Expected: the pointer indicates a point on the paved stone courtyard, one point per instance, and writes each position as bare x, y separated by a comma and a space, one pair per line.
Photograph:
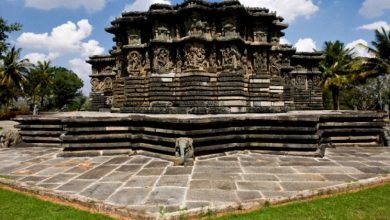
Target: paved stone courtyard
147, 184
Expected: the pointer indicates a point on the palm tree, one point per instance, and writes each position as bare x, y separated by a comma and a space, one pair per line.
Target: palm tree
378, 65
336, 69
39, 79
12, 73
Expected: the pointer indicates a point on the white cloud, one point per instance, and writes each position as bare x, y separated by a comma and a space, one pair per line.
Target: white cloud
67, 41
358, 49
376, 26
284, 40
35, 57
90, 5
143, 5
82, 69
289, 9
374, 8
305, 45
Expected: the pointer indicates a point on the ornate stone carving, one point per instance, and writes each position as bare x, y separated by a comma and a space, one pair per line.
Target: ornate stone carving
162, 60
133, 36
179, 62
231, 58
134, 60
260, 62
260, 36
107, 84
109, 100
301, 82
195, 57
97, 85
184, 150
247, 64
316, 80
162, 33
229, 30
275, 63
107, 70
198, 28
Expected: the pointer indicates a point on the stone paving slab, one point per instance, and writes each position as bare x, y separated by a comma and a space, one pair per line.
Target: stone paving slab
146, 185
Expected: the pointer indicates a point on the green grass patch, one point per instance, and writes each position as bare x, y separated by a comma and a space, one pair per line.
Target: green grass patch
371, 203
15, 206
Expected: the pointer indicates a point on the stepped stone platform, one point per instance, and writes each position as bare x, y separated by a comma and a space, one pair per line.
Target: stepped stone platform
143, 187
181, 138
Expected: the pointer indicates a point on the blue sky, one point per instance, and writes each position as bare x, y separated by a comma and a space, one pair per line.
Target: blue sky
67, 32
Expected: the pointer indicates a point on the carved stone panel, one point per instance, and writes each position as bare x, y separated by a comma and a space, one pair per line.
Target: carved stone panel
229, 30
198, 27
107, 84
97, 85
301, 82
162, 60
275, 63
195, 57
260, 62
162, 32
231, 58
133, 36
134, 61
107, 70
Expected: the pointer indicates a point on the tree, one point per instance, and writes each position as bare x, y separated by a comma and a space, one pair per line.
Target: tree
336, 67
12, 74
38, 80
65, 86
5, 29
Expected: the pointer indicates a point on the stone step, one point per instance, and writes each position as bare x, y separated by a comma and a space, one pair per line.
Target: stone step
354, 138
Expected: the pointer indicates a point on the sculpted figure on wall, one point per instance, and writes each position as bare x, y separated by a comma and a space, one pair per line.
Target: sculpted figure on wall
229, 30
260, 36
195, 57
198, 27
134, 36
162, 33
231, 58
275, 63
260, 61
107, 70
162, 60
97, 86
247, 64
107, 84
134, 60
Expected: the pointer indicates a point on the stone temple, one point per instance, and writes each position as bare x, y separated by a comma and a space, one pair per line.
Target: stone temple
176, 75
203, 58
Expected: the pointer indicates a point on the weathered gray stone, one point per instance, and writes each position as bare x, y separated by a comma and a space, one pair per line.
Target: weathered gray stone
100, 191
166, 196
174, 180
75, 186
130, 196
142, 181
258, 186
97, 172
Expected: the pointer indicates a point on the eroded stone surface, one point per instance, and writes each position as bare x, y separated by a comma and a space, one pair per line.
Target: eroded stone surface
147, 184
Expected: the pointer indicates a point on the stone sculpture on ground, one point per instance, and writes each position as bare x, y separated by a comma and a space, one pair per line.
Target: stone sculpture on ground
203, 58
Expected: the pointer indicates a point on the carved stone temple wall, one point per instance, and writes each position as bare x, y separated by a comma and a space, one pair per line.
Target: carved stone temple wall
203, 58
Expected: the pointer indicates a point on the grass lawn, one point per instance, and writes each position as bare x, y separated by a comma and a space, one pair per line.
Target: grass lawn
372, 203
15, 206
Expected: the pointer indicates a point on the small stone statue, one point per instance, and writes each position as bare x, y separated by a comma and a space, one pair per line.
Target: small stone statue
184, 151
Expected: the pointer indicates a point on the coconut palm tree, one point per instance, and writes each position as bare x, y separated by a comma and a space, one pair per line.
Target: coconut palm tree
379, 63
336, 69
12, 73
38, 81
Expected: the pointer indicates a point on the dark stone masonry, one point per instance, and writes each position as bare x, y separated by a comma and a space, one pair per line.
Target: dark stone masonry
203, 58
